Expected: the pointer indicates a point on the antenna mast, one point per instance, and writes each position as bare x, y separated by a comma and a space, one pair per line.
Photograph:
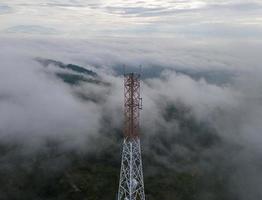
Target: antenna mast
131, 183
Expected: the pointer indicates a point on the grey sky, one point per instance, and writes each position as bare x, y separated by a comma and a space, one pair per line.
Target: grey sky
83, 18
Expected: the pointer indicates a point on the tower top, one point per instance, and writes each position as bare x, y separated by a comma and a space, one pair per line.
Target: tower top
133, 74
132, 104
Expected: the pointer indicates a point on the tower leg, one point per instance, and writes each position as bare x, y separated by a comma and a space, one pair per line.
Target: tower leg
131, 185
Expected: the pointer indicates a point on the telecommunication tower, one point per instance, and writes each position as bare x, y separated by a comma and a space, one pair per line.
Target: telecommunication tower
131, 183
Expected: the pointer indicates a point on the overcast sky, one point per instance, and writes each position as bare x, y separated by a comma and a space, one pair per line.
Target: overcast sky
167, 18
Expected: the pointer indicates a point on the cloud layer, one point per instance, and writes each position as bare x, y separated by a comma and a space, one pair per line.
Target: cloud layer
131, 18
36, 106
201, 62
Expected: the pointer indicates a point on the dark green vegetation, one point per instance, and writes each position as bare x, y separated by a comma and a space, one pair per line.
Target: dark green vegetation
72, 67
72, 74
75, 79
184, 159
55, 173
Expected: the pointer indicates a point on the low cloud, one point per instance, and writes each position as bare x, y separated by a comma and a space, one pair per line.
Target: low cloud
37, 106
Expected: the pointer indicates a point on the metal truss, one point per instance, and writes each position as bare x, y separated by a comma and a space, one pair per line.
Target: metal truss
131, 184
132, 104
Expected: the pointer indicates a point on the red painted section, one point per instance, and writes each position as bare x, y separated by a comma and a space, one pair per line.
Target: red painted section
132, 105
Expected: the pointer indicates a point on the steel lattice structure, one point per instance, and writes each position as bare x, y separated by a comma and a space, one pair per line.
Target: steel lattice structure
131, 183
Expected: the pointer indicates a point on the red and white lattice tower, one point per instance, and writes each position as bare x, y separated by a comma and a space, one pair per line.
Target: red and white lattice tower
131, 183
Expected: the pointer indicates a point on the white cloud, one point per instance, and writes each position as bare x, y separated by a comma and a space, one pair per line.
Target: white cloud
36, 105
166, 18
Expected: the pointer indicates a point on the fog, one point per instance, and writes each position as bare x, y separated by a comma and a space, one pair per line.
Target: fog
36, 106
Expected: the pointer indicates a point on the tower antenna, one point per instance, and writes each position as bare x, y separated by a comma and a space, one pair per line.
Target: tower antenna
131, 183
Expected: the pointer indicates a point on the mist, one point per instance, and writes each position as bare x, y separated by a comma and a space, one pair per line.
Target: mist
36, 107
